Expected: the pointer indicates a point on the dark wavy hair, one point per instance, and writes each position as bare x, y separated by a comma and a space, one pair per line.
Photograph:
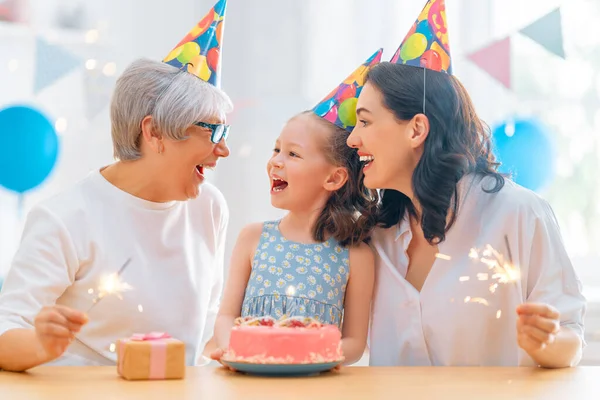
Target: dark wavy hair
458, 144
350, 213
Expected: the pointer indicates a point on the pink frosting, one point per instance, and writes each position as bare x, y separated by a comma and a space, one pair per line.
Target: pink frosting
279, 345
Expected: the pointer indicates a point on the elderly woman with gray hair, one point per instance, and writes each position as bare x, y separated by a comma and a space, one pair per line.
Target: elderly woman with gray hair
147, 210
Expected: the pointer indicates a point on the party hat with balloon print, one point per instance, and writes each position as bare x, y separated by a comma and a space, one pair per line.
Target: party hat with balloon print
426, 44
339, 106
200, 50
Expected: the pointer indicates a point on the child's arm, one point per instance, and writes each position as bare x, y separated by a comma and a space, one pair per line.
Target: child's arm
238, 275
357, 305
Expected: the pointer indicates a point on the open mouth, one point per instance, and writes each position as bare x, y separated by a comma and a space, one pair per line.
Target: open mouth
367, 160
200, 168
278, 184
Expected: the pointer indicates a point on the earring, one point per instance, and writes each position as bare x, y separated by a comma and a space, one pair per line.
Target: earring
160, 148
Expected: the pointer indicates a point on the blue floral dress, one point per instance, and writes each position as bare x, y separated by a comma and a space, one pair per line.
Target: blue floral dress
296, 279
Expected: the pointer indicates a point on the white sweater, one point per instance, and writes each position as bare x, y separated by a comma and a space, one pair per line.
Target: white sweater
75, 238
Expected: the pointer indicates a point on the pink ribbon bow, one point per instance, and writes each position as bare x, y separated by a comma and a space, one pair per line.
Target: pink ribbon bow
150, 336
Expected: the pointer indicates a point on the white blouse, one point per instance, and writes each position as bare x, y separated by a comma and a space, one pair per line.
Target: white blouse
463, 315
73, 240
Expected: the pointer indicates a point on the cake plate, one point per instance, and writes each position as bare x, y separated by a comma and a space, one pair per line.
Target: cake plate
281, 369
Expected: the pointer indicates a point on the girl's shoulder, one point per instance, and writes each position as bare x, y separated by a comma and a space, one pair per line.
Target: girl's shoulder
253, 233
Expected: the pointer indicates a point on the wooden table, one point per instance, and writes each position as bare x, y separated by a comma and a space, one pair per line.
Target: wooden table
90, 383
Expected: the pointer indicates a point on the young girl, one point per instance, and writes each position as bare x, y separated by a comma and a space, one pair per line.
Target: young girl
313, 262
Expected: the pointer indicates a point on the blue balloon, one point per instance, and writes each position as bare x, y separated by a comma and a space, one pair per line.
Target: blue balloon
525, 149
28, 148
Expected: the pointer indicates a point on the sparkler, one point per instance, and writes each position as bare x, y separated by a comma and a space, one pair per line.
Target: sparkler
111, 284
503, 271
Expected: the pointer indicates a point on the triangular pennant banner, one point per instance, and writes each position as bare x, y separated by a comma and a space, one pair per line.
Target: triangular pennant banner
547, 32
52, 62
97, 90
9, 11
495, 59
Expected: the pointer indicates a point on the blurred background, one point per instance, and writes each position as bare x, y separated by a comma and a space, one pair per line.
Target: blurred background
532, 68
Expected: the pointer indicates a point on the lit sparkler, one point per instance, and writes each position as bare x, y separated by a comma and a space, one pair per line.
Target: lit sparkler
110, 284
502, 271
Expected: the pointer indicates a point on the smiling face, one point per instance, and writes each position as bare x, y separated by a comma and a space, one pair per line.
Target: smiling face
390, 148
184, 161
301, 175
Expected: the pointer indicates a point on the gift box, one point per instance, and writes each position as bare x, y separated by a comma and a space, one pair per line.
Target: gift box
154, 355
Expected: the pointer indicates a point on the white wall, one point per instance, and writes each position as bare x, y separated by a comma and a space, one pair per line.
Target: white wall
280, 57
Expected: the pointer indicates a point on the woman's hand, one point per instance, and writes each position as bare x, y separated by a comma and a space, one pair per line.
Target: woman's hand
55, 328
537, 326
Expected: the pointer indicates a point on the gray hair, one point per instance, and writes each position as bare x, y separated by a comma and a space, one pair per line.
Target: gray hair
174, 98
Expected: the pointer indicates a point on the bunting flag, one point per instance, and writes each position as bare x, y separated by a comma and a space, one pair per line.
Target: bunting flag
547, 32
9, 11
495, 59
52, 62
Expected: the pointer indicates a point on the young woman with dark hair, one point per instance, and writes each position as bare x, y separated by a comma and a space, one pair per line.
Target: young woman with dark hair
436, 299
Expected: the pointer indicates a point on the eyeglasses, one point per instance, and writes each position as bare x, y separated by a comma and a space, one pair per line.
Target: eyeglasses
219, 131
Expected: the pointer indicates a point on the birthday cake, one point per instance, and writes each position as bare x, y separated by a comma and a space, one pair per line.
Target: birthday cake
286, 341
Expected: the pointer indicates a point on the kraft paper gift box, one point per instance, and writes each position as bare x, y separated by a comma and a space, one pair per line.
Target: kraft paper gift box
153, 355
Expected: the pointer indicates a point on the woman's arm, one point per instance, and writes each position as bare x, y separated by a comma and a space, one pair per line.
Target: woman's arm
235, 288
357, 304
550, 324
55, 327
43, 267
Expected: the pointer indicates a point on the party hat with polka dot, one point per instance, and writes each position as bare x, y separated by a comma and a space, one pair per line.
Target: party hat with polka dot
200, 50
339, 106
426, 44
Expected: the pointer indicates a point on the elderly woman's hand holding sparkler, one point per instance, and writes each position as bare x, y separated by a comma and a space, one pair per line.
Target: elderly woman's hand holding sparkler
55, 328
